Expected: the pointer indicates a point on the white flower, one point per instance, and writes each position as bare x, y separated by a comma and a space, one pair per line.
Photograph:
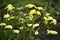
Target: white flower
8, 26
16, 31
52, 32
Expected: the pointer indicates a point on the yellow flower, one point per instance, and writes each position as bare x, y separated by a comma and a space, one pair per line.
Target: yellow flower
22, 20
9, 26
31, 16
21, 27
29, 25
52, 32
50, 18
12, 17
38, 13
35, 25
46, 22
2, 24
8, 19
39, 8
19, 8
30, 6
33, 11
6, 16
47, 14
36, 32
45, 18
10, 7
54, 22
16, 31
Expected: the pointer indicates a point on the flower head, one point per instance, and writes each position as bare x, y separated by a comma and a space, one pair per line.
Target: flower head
2, 24
50, 18
22, 20
30, 6
33, 11
36, 32
38, 13
39, 8
53, 21
16, 31
21, 27
6, 16
47, 14
52, 32
35, 25
45, 18
8, 26
12, 17
10, 7
29, 25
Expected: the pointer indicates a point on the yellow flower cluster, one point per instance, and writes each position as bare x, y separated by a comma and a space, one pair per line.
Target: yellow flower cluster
35, 11
6, 26
32, 5
8, 17
52, 32
10, 7
32, 12
33, 25
47, 17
